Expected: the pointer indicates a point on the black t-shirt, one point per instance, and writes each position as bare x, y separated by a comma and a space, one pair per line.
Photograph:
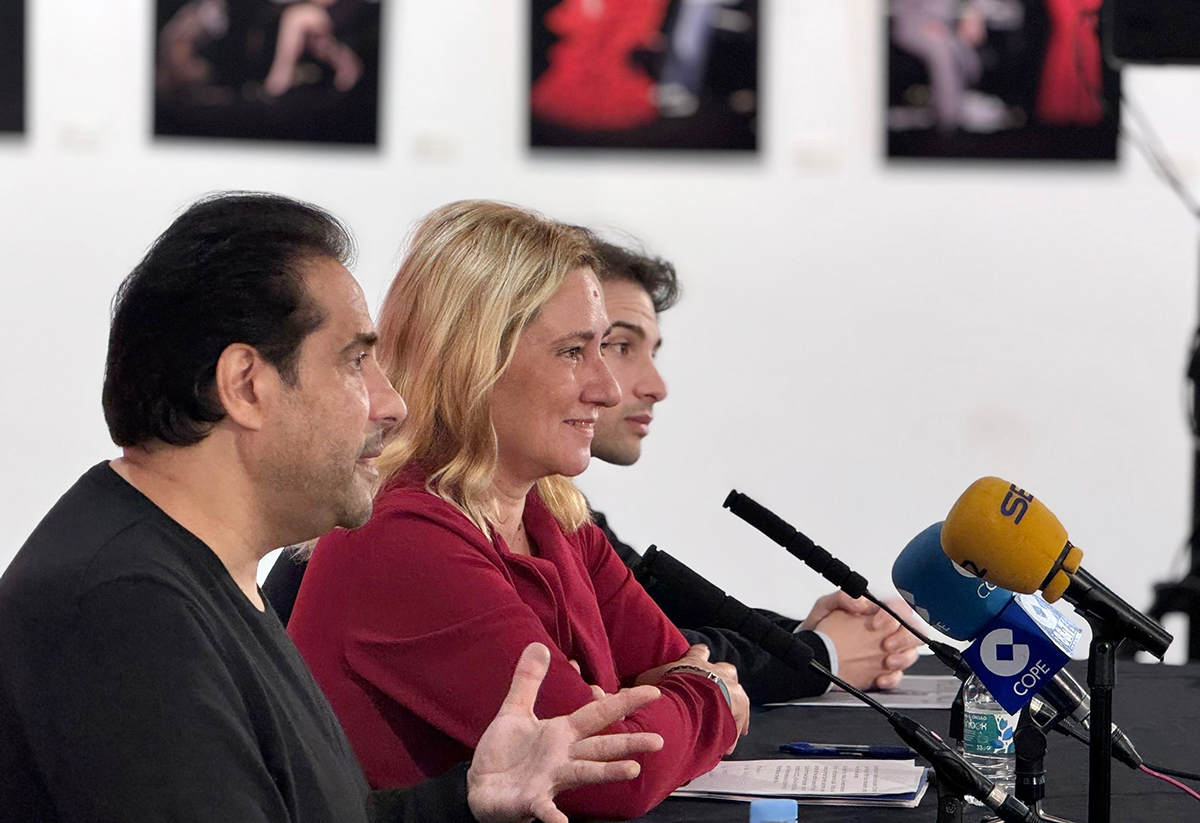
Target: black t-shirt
138, 683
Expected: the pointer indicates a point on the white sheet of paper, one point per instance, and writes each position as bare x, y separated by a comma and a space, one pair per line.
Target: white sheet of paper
815, 778
916, 691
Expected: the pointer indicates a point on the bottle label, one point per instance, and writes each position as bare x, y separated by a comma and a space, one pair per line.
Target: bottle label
989, 733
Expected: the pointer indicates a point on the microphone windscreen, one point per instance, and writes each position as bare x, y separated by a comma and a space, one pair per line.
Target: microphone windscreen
950, 599
705, 596
999, 532
760, 517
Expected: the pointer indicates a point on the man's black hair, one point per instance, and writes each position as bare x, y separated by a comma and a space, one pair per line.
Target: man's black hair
228, 270
654, 274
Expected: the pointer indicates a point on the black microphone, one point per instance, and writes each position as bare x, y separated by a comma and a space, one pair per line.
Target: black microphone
1096, 600
833, 570
798, 545
723, 611
727, 612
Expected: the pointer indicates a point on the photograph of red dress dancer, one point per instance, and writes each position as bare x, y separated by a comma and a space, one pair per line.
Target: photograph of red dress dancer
591, 83
1071, 84
644, 74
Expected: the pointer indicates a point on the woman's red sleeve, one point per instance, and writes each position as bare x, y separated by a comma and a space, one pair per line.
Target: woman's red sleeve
438, 627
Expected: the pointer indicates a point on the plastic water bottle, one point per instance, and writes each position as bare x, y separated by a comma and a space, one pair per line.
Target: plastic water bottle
988, 736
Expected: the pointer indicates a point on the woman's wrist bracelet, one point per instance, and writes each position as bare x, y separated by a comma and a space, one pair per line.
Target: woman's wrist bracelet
687, 668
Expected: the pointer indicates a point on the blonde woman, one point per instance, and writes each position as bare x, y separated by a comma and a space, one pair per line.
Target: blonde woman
480, 544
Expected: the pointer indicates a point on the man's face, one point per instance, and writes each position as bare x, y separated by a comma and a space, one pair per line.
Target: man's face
629, 351
327, 428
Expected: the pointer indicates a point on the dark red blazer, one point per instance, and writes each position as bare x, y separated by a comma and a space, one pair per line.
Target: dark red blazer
412, 626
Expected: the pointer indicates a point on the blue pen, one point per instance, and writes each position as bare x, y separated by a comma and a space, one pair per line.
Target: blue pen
835, 750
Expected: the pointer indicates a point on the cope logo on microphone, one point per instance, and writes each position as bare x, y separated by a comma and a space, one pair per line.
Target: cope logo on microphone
1018, 651
1001, 655
1016, 502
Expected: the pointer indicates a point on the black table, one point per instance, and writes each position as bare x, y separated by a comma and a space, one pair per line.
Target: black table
1157, 706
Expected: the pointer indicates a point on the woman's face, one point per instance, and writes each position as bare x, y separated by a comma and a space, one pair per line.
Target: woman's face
544, 406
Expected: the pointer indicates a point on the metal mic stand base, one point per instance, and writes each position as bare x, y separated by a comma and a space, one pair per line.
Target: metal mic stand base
1030, 786
950, 805
1036, 808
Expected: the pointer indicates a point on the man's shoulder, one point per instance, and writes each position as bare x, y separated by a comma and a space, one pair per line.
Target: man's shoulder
97, 533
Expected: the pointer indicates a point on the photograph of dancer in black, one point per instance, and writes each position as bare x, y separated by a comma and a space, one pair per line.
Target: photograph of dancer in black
305, 70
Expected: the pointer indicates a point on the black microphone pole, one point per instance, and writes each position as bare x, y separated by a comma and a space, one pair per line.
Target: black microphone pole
955, 773
833, 570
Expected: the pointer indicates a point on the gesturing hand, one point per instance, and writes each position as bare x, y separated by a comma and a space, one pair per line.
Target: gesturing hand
522, 762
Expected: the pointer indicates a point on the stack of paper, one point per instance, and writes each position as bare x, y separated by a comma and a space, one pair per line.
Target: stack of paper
897, 783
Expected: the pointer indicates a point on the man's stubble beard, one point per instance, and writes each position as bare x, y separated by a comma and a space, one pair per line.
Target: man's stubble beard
319, 497
611, 451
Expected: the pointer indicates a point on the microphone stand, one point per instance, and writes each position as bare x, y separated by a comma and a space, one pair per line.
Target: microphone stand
1101, 608
1102, 677
1030, 744
1113, 621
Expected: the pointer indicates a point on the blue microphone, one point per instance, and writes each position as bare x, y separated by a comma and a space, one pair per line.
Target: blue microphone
923, 579
1021, 642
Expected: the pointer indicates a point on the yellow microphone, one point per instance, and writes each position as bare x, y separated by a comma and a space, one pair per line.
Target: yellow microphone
1001, 533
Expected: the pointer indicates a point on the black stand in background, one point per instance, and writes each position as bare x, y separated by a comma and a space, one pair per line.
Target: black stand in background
1183, 596
1166, 32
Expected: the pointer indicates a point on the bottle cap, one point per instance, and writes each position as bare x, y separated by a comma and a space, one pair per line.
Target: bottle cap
773, 811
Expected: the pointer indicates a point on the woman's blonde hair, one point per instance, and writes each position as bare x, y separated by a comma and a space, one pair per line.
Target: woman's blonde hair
475, 274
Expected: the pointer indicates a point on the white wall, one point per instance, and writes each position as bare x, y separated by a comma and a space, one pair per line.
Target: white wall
856, 344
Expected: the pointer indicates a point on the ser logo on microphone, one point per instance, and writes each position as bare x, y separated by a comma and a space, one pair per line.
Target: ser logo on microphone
1016, 502
1015, 658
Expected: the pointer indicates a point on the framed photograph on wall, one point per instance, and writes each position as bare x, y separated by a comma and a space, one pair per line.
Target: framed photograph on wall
12, 66
644, 74
299, 70
999, 79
